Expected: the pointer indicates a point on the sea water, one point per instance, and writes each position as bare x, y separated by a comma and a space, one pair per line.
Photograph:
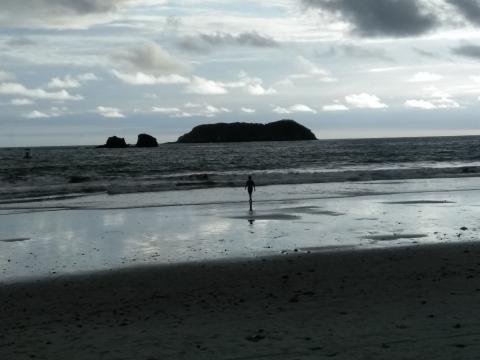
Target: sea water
54, 171
76, 209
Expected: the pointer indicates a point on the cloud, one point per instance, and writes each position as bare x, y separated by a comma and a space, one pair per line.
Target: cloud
55, 13
470, 9
248, 110
71, 82
16, 89
281, 110
425, 77
297, 108
425, 53
365, 101
306, 69
203, 43
109, 112
163, 110
435, 99
149, 58
65, 14
21, 102
36, 115
386, 69
18, 41
355, 51
65, 83
6, 76
203, 86
140, 78
471, 51
441, 103
335, 107
53, 112
379, 18
199, 110
251, 85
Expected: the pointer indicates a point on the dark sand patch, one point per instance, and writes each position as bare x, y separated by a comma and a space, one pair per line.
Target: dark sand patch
405, 303
392, 237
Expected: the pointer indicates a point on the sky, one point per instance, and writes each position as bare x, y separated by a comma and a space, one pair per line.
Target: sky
74, 72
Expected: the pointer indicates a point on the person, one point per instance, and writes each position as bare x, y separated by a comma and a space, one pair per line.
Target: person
27, 154
250, 186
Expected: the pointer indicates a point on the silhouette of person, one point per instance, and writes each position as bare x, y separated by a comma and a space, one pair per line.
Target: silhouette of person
250, 186
27, 154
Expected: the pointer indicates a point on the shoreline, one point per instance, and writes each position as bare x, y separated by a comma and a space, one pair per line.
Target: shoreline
398, 303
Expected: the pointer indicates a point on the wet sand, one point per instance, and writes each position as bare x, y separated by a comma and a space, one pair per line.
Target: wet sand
417, 302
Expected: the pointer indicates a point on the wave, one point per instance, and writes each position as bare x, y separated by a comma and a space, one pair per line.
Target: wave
45, 190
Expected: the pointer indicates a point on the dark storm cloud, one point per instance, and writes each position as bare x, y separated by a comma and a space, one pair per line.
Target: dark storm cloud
471, 51
470, 9
206, 42
375, 18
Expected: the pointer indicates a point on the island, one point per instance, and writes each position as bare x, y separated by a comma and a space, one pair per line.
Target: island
114, 142
144, 141
282, 130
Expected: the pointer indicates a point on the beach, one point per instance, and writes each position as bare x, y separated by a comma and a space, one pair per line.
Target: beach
367, 270
404, 303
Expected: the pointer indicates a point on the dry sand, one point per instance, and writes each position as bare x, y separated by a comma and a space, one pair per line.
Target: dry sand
420, 302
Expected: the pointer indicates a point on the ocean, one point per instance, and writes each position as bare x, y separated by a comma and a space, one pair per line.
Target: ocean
60, 171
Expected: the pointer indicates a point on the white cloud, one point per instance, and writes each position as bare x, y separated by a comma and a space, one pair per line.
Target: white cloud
433, 104
36, 115
140, 78
17, 89
66, 83
163, 110
434, 99
205, 110
203, 86
335, 107
297, 108
281, 110
21, 102
248, 110
386, 69
302, 108
88, 77
70, 82
259, 90
365, 101
109, 112
420, 104
425, 77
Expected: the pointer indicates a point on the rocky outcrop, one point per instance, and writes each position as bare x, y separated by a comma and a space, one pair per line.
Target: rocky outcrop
114, 142
283, 130
145, 140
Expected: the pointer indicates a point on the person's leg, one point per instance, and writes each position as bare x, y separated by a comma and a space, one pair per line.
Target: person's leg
250, 199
